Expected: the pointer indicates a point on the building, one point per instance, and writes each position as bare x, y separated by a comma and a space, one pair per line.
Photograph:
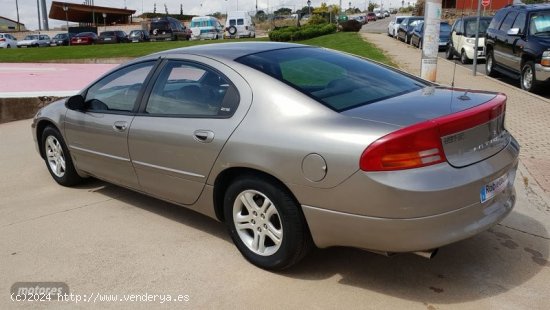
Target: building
89, 15
8, 25
472, 4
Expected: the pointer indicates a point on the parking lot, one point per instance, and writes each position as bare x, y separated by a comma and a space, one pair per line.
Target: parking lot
101, 240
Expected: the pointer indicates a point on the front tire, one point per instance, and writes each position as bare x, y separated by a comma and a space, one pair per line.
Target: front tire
58, 159
528, 77
265, 223
490, 64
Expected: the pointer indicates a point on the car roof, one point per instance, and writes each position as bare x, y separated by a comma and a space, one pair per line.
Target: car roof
231, 51
468, 18
529, 7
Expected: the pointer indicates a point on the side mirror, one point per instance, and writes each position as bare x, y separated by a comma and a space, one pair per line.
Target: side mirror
75, 103
513, 32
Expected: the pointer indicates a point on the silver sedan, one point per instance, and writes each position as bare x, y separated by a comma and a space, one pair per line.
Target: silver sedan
292, 147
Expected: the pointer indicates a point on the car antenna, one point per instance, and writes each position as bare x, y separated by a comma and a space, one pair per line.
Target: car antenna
454, 60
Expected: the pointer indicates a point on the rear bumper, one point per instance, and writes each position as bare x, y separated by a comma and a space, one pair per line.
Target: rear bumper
330, 228
412, 210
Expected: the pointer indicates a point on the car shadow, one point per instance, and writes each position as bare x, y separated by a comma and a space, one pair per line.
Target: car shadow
168, 210
488, 264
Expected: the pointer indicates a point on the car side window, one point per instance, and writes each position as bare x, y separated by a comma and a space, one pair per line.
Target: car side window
118, 91
520, 23
458, 26
497, 19
189, 89
240, 21
508, 21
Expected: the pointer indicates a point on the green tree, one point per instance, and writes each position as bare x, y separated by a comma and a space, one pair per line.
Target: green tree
283, 11
372, 6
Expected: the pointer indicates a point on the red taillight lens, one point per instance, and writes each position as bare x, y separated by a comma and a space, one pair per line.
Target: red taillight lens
410, 147
2, 39
420, 145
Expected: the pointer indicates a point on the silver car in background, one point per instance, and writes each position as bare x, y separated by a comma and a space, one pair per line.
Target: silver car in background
291, 146
34, 40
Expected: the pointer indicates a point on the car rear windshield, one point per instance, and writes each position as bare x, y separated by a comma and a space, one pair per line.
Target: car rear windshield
108, 33
160, 25
337, 80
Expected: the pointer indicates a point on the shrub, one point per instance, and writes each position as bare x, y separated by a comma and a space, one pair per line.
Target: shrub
351, 26
316, 19
301, 33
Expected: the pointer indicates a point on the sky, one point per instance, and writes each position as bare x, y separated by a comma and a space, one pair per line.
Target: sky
28, 8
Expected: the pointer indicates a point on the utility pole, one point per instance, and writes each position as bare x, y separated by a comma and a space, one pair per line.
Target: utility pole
17, 9
477, 36
45, 25
430, 42
38, 11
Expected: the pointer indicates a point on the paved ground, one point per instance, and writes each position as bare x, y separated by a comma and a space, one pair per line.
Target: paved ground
100, 238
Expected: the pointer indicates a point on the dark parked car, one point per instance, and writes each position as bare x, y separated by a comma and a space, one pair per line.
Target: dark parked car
371, 17
84, 38
406, 27
109, 37
518, 44
168, 29
138, 36
417, 37
61, 39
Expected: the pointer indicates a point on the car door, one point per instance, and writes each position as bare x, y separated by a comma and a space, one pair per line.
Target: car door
98, 136
456, 33
503, 46
518, 43
191, 111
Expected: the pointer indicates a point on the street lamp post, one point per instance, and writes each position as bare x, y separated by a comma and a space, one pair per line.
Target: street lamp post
309, 7
104, 21
66, 9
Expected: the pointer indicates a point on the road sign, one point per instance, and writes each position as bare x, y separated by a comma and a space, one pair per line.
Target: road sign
485, 3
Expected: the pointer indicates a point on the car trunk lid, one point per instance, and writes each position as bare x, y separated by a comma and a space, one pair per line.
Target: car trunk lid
470, 124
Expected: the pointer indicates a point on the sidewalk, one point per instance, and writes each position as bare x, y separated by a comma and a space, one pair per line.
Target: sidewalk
527, 117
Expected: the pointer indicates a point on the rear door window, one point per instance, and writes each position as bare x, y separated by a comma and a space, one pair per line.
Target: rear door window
508, 21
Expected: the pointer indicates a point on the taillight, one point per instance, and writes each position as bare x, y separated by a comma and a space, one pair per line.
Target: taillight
420, 145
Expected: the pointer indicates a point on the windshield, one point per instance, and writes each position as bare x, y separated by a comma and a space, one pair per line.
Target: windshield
470, 27
31, 38
540, 24
339, 81
108, 33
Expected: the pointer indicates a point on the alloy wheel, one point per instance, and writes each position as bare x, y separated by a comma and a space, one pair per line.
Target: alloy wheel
527, 79
257, 222
55, 156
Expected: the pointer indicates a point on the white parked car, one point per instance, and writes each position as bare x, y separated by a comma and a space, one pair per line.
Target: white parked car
34, 40
206, 27
394, 25
239, 24
7, 40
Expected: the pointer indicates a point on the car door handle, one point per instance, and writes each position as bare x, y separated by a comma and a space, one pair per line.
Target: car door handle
120, 126
204, 136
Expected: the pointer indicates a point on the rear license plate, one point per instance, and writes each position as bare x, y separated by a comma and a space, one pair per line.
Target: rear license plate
135, 41
491, 189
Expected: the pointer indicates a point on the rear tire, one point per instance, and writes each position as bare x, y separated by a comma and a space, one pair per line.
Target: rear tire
528, 77
58, 159
265, 223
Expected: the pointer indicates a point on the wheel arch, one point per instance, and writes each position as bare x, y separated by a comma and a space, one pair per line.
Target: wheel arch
40, 127
227, 176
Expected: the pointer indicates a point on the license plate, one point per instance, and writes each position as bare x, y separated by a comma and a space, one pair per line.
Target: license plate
491, 189
107, 39
135, 41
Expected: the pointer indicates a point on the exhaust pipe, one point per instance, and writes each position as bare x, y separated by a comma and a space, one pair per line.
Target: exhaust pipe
429, 254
